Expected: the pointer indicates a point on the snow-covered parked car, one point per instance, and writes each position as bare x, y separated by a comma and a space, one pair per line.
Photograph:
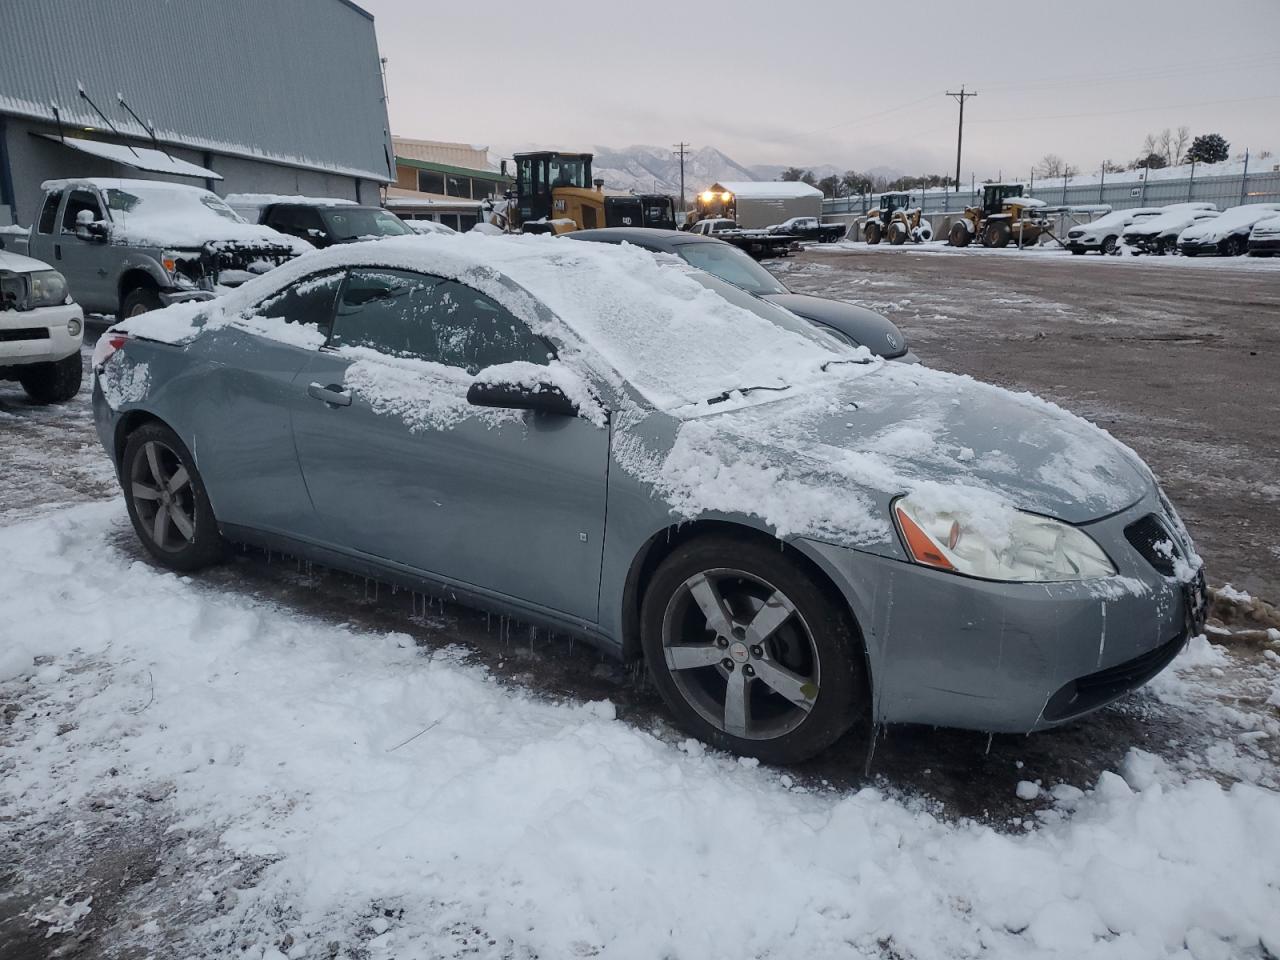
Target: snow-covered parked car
790, 531
1103, 234
319, 221
1264, 238
810, 228
434, 226
1226, 234
128, 246
40, 329
1160, 234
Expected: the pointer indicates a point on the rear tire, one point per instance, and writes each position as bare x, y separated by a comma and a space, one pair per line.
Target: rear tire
167, 501
776, 671
959, 235
871, 232
140, 300
55, 382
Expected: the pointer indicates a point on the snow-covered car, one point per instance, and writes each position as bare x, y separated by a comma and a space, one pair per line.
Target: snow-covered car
432, 226
323, 224
128, 246
848, 322
791, 532
1264, 238
1103, 234
1160, 234
41, 328
1226, 234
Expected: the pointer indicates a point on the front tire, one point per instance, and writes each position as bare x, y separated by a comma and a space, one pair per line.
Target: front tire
1108, 246
959, 235
871, 232
140, 300
749, 653
55, 382
167, 501
897, 234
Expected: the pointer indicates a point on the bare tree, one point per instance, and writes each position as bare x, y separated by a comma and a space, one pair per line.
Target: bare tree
1050, 166
1110, 166
1149, 145
1180, 144
1164, 145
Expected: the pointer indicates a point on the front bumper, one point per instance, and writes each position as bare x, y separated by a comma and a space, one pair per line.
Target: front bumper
1194, 247
1084, 243
1264, 244
956, 651
39, 335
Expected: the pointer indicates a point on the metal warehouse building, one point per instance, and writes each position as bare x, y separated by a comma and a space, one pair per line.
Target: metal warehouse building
239, 96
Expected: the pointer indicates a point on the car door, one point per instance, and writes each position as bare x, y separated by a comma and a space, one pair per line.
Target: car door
239, 405
400, 467
42, 238
86, 259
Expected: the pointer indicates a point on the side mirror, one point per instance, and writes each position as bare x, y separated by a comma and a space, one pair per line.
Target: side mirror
87, 228
539, 397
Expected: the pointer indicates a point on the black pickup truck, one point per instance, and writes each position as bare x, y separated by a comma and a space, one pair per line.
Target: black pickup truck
811, 229
759, 243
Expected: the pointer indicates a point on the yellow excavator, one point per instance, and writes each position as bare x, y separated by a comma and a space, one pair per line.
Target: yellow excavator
555, 194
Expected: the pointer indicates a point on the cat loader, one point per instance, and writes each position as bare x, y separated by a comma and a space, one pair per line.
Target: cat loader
1005, 217
555, 194
896, 221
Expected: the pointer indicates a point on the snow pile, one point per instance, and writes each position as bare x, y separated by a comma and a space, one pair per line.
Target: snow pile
359, 773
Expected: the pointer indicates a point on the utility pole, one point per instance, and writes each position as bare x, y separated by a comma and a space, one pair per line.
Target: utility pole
681, 149
960, 98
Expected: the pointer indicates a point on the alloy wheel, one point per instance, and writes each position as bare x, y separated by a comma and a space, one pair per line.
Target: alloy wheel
160, 488
741, 654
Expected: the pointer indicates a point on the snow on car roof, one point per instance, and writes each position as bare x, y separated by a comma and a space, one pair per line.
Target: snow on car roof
768, 189
263, 199
675, 340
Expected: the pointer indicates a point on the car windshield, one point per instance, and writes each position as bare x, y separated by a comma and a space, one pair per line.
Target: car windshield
731, 264
350, 223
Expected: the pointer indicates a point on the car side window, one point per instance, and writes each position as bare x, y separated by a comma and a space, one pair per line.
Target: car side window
49, 212
406, 314
309, 300
78, 201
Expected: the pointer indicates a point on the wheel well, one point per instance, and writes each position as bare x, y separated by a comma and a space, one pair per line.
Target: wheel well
661, 545
130, 280
130, 422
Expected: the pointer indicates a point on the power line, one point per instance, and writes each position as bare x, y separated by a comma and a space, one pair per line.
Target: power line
869, 116
1112, 113
960, 98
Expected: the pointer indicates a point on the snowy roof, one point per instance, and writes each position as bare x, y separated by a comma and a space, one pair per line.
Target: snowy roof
140, 158
767, 189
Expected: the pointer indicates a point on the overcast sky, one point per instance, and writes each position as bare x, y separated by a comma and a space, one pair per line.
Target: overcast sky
855, 84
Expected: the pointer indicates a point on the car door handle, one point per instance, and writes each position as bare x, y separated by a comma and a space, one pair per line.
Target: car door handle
332, 394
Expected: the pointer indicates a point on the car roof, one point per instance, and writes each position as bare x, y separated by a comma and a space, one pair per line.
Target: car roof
650, 238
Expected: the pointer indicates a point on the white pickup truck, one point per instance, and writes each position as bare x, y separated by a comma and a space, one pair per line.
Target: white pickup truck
40, 329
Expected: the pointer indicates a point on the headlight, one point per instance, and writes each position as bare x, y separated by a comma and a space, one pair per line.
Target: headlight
48, 289
74, 326
1027, 548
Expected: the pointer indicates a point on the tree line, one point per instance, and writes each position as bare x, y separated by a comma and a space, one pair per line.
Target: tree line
851, 183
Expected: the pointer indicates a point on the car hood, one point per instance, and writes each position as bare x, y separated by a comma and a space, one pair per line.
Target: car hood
827, 464
877, 333
17, 263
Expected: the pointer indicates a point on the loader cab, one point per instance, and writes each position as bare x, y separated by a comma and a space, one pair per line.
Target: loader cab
659, 211
994, 196
889, 202
538, 174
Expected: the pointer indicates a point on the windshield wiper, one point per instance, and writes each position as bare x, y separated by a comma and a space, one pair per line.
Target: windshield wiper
828, 363
722, 397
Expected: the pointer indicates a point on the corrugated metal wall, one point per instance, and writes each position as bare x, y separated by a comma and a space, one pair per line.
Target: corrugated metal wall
294, 81
1260, 187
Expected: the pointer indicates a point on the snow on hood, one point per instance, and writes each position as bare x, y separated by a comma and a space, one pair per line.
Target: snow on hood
151, 213
1172, 221
17, 263
827, 463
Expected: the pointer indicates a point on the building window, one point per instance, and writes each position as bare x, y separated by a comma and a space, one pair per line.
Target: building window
430, 182
458, 186
466, 221
449, 220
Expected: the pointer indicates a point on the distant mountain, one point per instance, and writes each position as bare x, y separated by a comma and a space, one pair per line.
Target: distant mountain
645, 169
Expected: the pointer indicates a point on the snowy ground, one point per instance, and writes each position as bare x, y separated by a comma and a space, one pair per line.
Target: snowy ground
271, 760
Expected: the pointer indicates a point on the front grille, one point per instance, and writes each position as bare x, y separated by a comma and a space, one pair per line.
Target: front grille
24, 333
1152, 539
1075, 234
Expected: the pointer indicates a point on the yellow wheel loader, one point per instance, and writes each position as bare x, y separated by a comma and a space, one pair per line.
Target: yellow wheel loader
555, 194
1005, 217
896, 221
